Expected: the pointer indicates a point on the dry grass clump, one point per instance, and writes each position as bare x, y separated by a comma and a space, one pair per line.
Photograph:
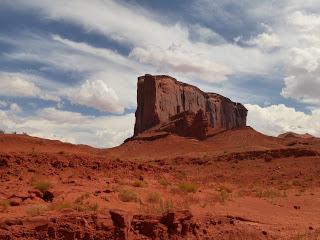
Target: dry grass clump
139, 183
270, 193
154, 197
155, 204
41, 185
4, 205
162, 180
311, 235
223, 196
127, 195
61, 206
79, 204
188, 187
36, 210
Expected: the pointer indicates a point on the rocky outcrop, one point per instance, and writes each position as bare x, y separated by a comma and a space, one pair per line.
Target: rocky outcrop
173, 106
295, 135
187, 124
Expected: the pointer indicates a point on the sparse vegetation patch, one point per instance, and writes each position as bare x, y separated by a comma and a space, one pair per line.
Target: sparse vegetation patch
127, 195
188, 187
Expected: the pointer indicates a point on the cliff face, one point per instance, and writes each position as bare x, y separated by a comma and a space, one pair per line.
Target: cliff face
161, 98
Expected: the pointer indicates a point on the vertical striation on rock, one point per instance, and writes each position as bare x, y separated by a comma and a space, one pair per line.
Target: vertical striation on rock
182, 108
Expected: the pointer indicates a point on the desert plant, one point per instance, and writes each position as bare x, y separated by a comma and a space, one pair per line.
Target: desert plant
139, 183
61, 205
4, 205
34, 152
41, 185
157, 208
127, 195
79, 204
223, 188
83, 207
82, 197
163, 181
36, 210
188, 187
154, 197
270, 193
223, 196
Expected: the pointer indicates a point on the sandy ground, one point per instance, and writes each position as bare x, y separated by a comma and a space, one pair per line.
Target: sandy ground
237, 184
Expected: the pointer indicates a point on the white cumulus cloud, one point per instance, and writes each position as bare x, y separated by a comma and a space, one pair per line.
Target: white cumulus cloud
15, 108
22, 85
51, 123
276, 119
97, 94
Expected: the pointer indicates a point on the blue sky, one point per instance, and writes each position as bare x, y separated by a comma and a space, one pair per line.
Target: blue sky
68, 69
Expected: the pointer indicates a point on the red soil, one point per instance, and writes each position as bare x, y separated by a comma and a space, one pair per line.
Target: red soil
237, 184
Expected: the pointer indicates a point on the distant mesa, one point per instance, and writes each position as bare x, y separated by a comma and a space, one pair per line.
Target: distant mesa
166, 105
295, 135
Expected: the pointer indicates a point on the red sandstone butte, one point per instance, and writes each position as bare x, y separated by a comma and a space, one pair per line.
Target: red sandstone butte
173, 106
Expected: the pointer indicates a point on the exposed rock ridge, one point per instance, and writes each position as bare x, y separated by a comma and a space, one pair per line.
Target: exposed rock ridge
161, 98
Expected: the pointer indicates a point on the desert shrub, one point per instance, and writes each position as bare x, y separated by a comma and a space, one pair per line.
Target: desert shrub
139, 183
221, 188
157, 208
163, 181
41, 185
36, 210
61, 205
34, 152
83, 207
244, 193
188, 187
270, 193
82, 197
310, 235
181, 175
154, 197
4, 205
2, 132
127, 195
79, 204
223, 196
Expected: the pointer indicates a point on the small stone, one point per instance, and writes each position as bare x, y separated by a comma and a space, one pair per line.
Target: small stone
13, 222
15, 201
48, 196
310, 228
264, 233
107, 191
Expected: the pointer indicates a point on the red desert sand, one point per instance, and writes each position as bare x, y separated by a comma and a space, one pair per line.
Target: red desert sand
167, 181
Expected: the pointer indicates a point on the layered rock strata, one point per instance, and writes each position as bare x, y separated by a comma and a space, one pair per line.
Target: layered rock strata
183, 109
